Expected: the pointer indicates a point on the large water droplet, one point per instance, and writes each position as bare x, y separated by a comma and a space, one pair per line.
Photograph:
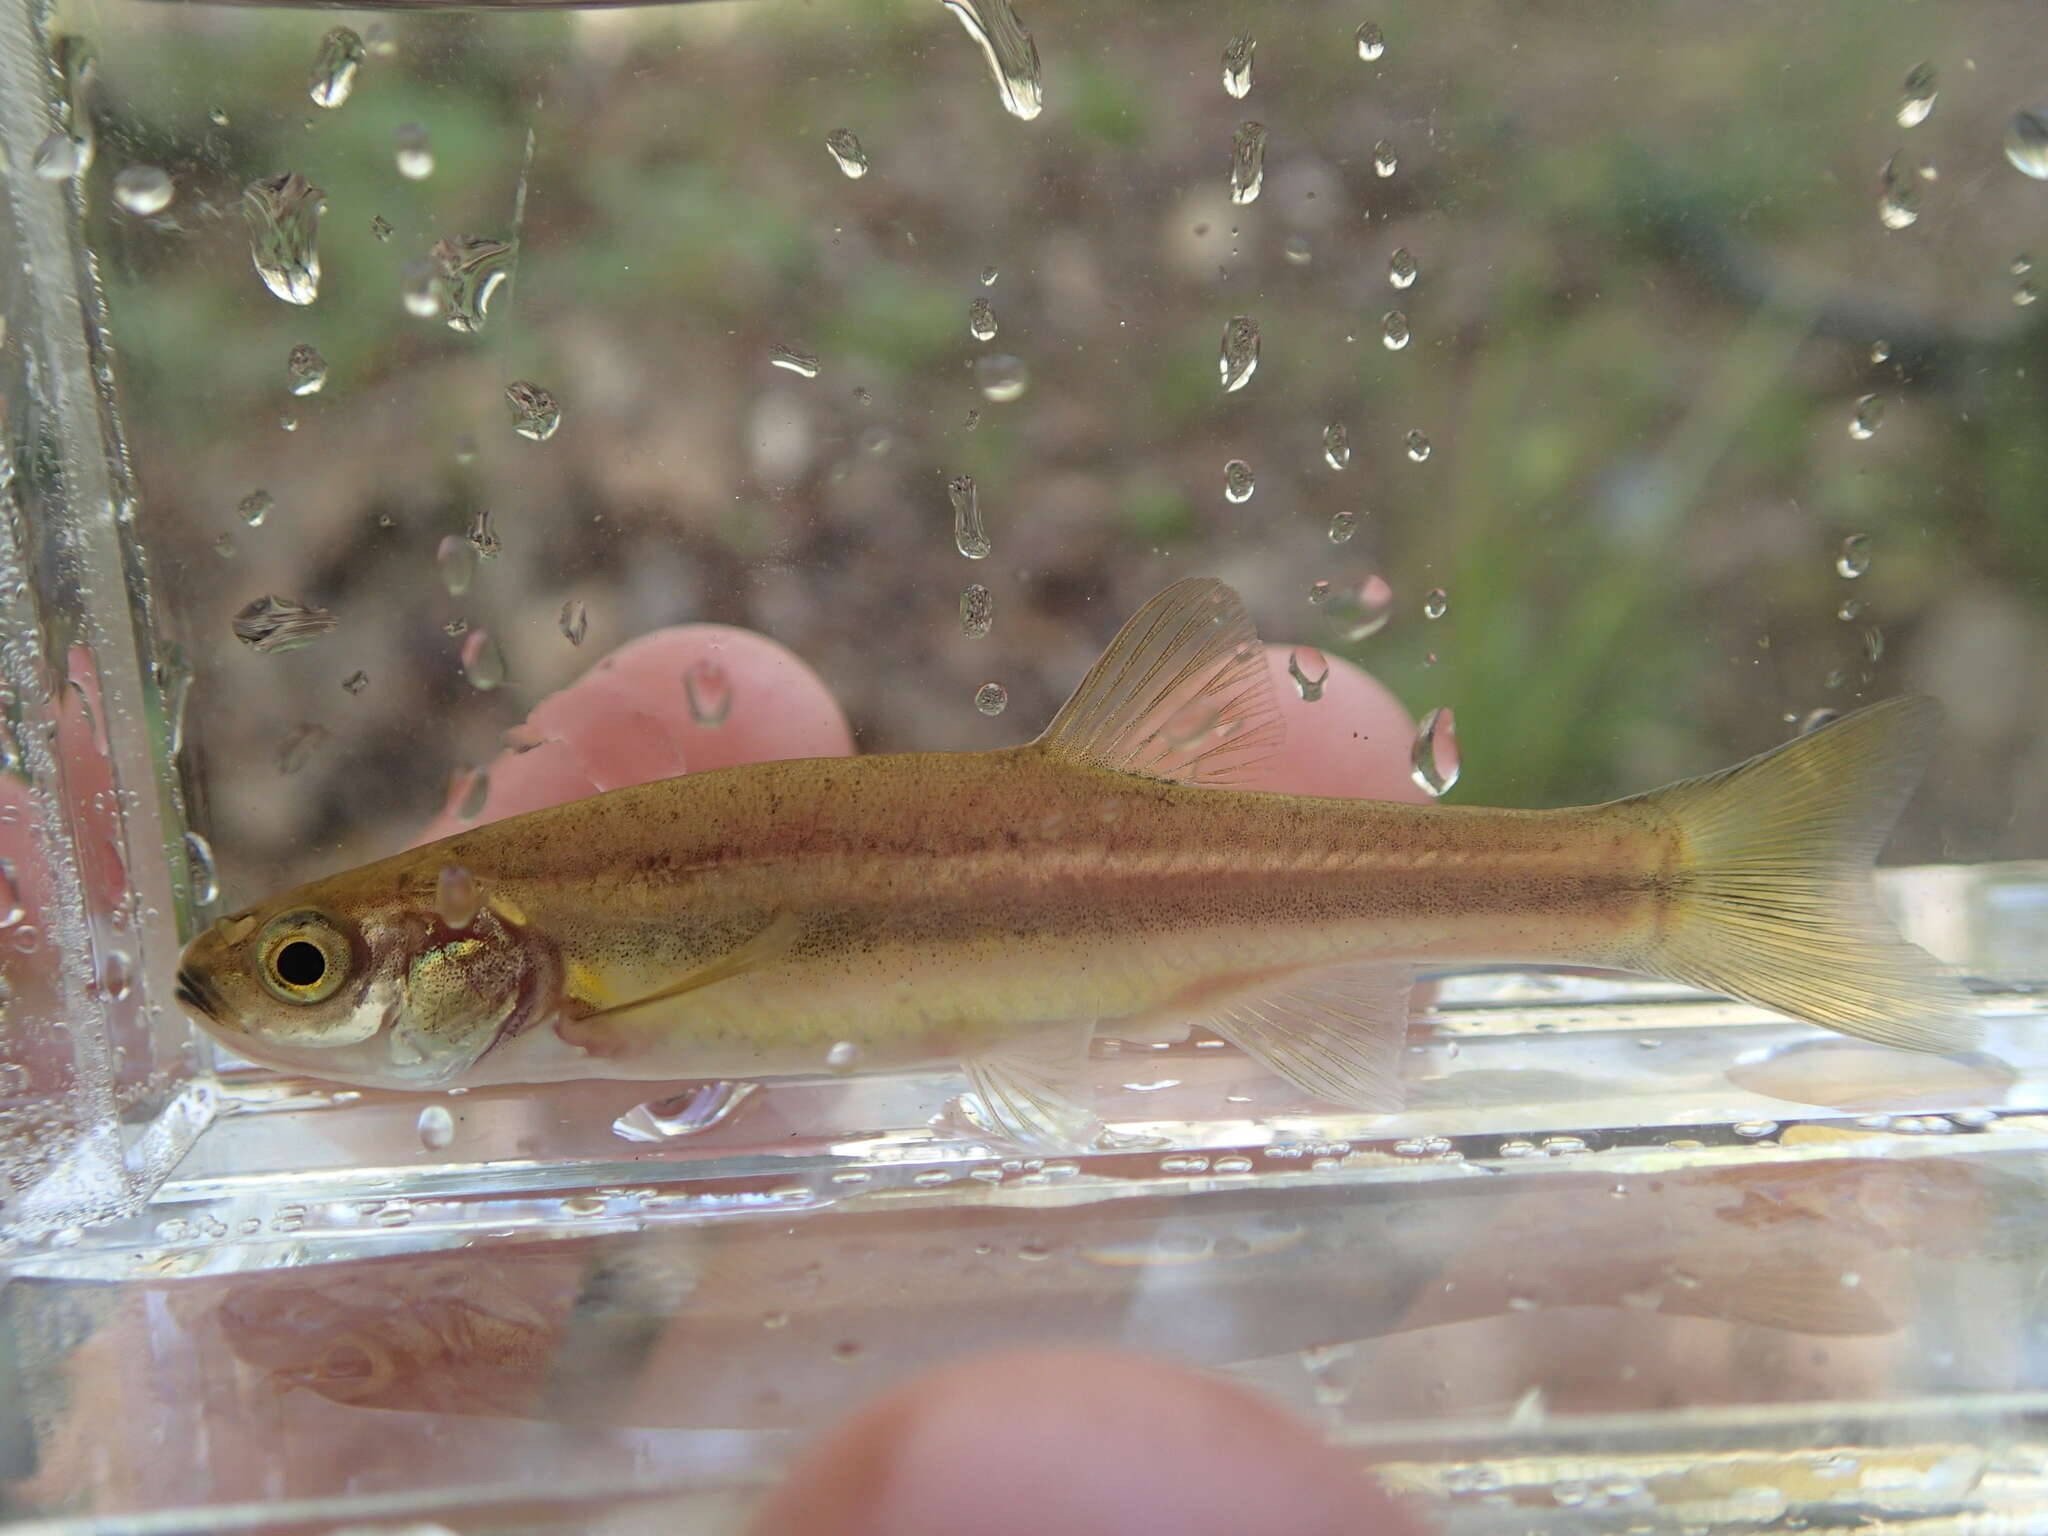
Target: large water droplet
472, 268
1418, 445
143, 189
708, 687
283, 214
305, 370
255, 507
799, 362
1916, 96
1394, 330
575, 621
435, 1127
413, 152
1384, 161
981, 320
482, 662
1342, 526
1853, 558
1237, 481
1310, 672
1239, 358
1402, 269
535, 415
1237, 65
1002, 378
1867, 417
2026, 142
970, 536
482, 536
1337, 445
457, 896
1247, 162
199, 866
689, 1113
1898, 203
846, 151
1436, 604
1012, 56
991, 698
274, 624
335, 64
1372, 43
1433, 763
977, 611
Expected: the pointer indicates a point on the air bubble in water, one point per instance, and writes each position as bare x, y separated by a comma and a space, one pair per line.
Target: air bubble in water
143, 189
1310, 672
455, 559
1867, 418
1237, 65
1342, 526
1853, 558
435, 1127
335, 64
1434, 762
535, 414
1002, 378
970, 536
1418, 445
1012, 56
1337, 445
1402, 269
482, 537
199, 863
305, 370
1916, 96
255, 507
271, 624
690, 1113
981, 320
1436, 604
472, 268
1898, 204
457, 896
2026, 142
413, 152
1247, 162
1384, 161
991, 698
1239, 358
1372, 43
1237, 481
283, 214
977, 611
575, 621
482, 662
708, 687
847, 153
1394, 330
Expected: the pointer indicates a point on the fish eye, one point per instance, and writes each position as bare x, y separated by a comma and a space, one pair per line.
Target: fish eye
302, 958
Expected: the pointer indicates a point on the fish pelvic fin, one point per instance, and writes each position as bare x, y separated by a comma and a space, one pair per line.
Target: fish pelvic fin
1183, 693
1336, 1033
1770, 897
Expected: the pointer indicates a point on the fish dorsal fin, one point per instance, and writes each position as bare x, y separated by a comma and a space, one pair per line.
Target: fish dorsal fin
1182, 693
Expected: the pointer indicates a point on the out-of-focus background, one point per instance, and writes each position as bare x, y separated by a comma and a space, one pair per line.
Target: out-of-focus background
1695, 301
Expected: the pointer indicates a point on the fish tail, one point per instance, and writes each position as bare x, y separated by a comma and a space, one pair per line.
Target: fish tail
1769, 896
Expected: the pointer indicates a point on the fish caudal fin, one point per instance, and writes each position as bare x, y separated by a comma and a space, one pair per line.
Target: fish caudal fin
1771, 899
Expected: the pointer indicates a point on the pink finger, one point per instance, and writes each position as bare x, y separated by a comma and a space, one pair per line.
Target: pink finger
1355, 739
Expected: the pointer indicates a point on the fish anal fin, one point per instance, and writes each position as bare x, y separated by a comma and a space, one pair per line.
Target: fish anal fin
598, 1031
1182, 693
1336, 1032
1793, 1292
1033, 1090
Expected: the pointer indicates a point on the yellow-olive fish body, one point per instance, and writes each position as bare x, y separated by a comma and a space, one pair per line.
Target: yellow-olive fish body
996, 908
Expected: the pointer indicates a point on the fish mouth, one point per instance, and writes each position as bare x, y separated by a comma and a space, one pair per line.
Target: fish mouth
193, 991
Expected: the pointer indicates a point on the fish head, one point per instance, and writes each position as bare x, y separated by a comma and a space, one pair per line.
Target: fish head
361, 980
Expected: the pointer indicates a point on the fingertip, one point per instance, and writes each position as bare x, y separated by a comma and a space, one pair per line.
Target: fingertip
1348, 737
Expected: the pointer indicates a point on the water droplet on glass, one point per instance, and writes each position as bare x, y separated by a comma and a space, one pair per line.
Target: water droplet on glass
1814, 719
435, 1127
413, 152
482, 662
535, 414
1434, 762
1342, 526
275, 624
1310, 671
981, 320
380, 226
472, 268
1394, 330
144, 189
1012, 56
1337, 445
199, 865
1880, 352
1850, 611
117, 975
1237, 481
1916, 96
846, 150
977, 611
991, 698
2022, 264
355, 682
455, 559
1297, 251
476, 790
10, 896
1867, 418
224, 546
457, 896
255, 507
379, 39
1418, 446
305, 370
2024, 292
287, 422
689, 1113
1372, 43
709, 690
1247, 162
1384, 161
422, 290
1898, 204
2026, 142
1402, 269
1853, 558
298, 746
58, 158
1320, 592
1436, 604
1239, 359
1237, 65
797, 361
843, 1057
575, 621
334, 67
970, 537
283, 214
482, 537
1873, 644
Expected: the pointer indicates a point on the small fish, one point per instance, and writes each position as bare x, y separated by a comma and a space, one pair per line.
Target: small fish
992, 908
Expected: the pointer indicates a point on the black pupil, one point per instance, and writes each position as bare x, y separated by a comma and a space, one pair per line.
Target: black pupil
300, 964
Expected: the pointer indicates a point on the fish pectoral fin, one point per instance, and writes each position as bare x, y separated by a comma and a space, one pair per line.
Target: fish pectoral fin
1793, 1292
1336, 1032
1033, 1090
1182, 693
765, 947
